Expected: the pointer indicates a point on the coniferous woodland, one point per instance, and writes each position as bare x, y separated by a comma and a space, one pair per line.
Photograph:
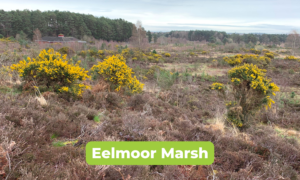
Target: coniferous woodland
219, 36
52, 23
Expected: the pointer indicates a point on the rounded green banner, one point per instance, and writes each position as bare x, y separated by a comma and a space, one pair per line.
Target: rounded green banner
150, 153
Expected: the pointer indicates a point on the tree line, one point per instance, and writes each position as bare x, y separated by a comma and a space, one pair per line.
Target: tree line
52, 23
223, 37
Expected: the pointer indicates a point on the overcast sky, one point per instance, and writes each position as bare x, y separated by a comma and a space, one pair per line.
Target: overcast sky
253, 16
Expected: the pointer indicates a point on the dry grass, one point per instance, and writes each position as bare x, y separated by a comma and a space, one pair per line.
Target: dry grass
195, 69
188, 111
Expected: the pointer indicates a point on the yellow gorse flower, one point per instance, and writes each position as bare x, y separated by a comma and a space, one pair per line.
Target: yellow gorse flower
51, 68
218, 86
290, 58
255, 77
167, 54
239, 59
114, 70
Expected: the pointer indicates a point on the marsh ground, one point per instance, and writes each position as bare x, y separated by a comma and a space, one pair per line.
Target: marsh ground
50, 139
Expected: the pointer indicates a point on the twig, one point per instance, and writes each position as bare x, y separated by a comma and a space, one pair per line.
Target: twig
13, 169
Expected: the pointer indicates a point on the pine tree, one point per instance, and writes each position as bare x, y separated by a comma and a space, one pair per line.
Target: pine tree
155, 37
52, 23
149, 36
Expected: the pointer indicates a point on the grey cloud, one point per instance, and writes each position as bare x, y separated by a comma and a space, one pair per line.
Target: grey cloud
166, 15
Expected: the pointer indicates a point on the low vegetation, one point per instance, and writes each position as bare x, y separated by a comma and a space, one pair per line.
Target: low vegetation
56, 98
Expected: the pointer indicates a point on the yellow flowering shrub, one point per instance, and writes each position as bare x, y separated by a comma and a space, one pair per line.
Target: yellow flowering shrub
115, 71
66, 50
101, 54
266, 51
53, 70
126, 53
234, 113
150, 73
247, 58
232, 61
251, 89
157, 56
269, 55
167, 54
153, 57
82, 53
135, 86
218, 86
204, 52
8, 39
254, 51
109, 52
290, 58
138, 54
93, 52
244, 49
5, 73
192, 54
150, 58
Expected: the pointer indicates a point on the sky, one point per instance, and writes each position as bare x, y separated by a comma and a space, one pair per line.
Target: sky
240, 16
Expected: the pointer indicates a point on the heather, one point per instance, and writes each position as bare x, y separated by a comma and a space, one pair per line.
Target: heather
55, 98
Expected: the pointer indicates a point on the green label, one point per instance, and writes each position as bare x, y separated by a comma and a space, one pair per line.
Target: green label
150, 153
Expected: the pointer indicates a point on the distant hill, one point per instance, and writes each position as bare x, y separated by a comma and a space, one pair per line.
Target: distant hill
52, 23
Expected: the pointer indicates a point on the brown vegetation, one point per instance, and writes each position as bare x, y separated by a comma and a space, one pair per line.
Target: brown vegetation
50, 139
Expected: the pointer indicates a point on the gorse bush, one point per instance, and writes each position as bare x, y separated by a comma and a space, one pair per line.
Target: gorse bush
8, 39
192, 54
254, 51
66, 50
204, 52
151, 72
218, 86
135, 86
82, 53
54, 71
167, 54
247, 58
269, 55
266, 51
126, 53
115, 71
251, 91
154, 57
233, 61
290, 58
93, 52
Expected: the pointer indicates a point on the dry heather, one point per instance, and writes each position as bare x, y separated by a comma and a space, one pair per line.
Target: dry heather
50, 138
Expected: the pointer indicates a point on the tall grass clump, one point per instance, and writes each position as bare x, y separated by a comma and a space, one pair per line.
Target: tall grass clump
165, 79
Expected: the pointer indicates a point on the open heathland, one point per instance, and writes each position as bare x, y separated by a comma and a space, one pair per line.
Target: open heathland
55, 98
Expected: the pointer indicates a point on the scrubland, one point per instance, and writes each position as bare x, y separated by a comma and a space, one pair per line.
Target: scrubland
178, 92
